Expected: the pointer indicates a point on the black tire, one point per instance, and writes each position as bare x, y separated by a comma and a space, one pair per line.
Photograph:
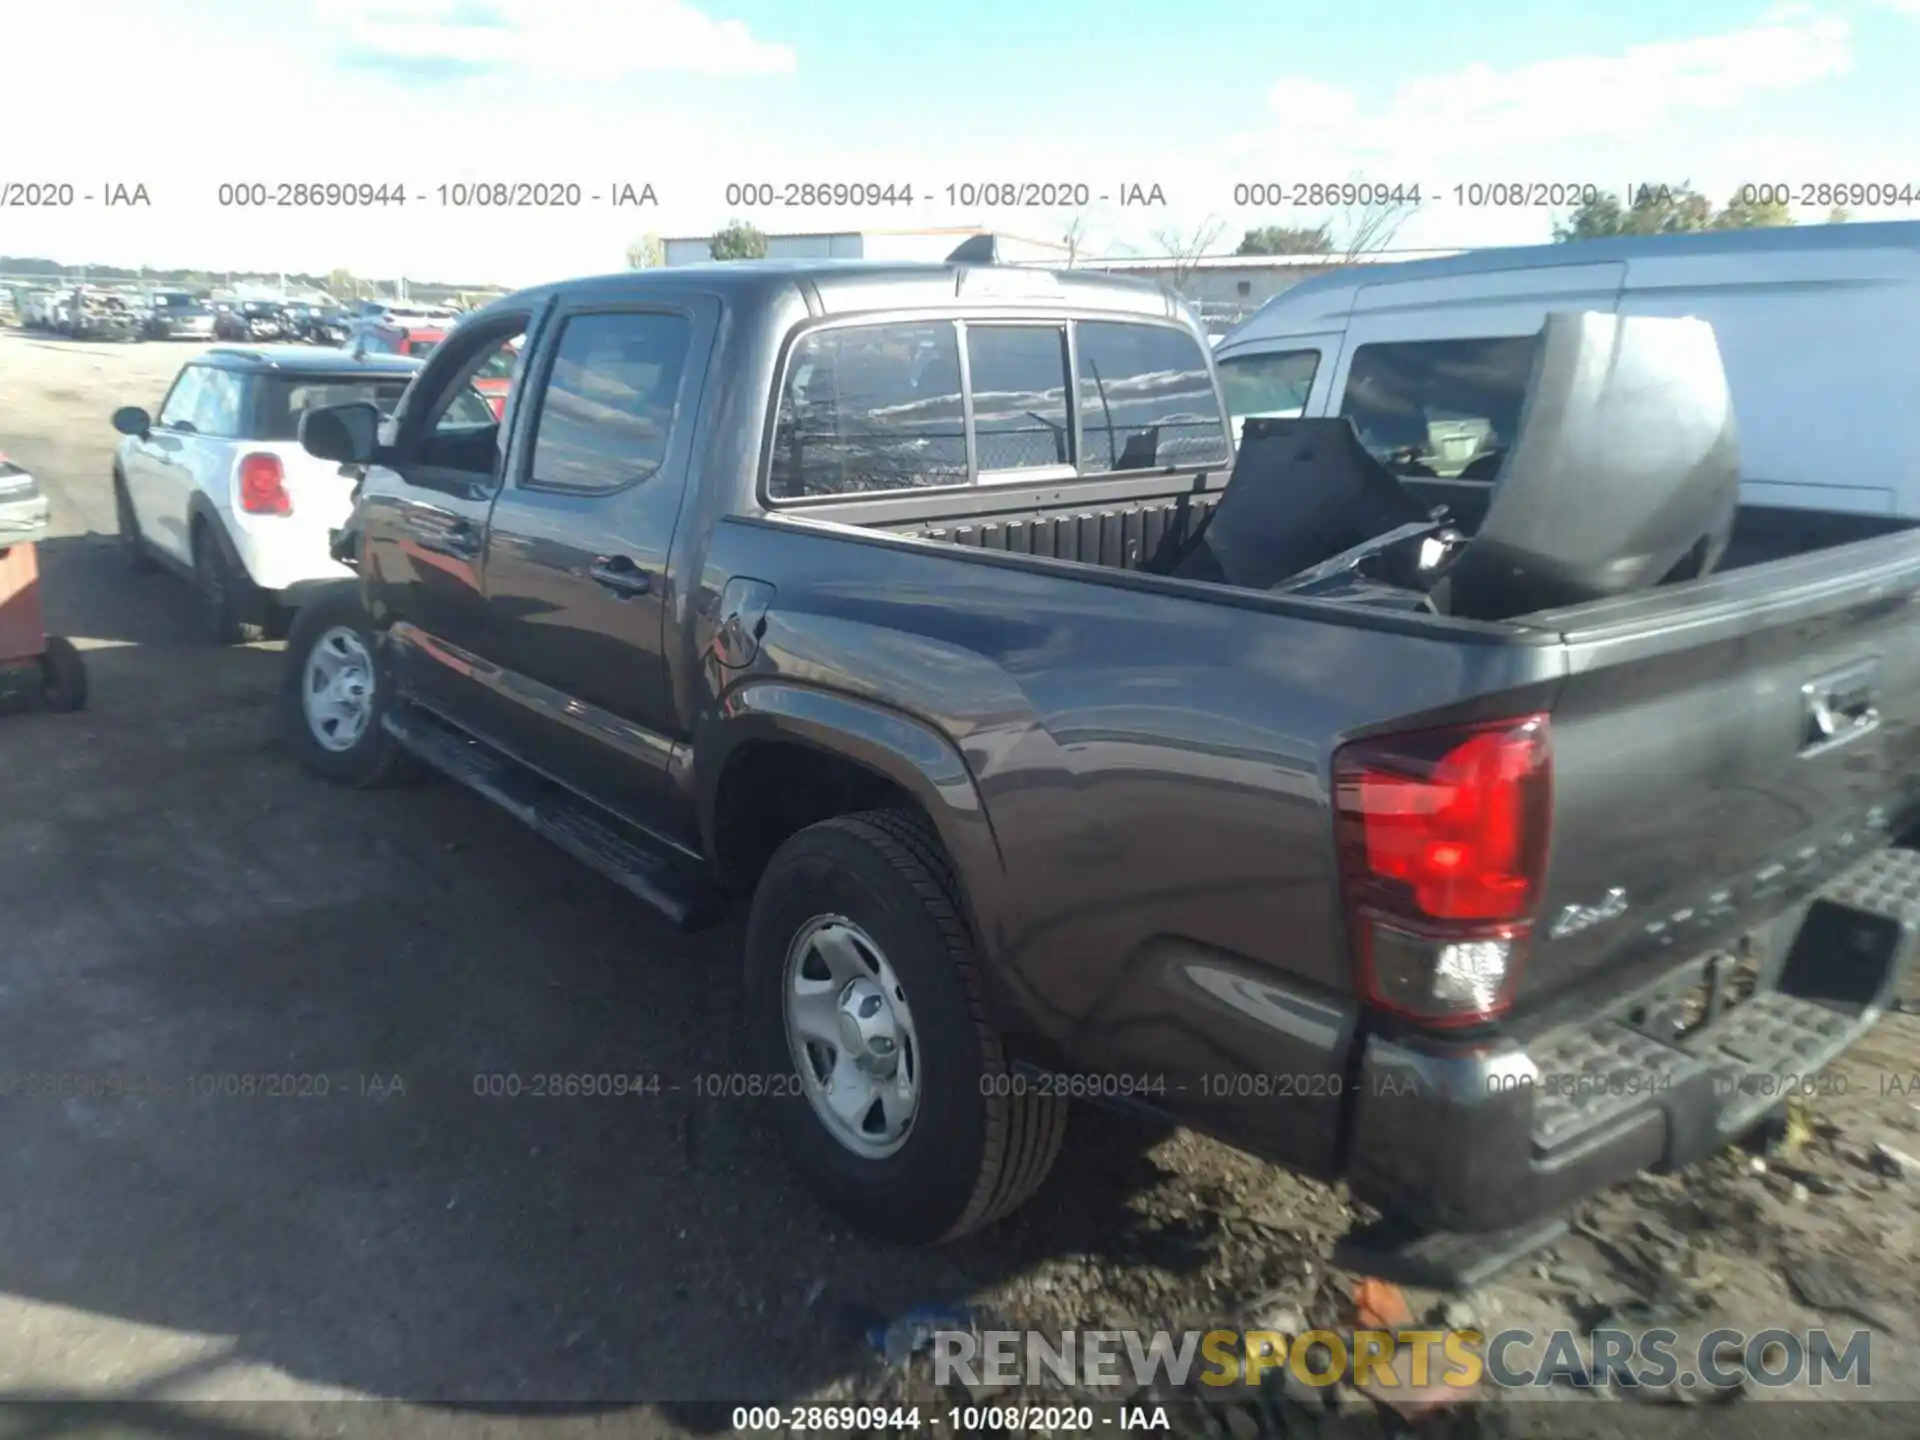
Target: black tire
231, 610
139, 559
974, 1152
63, 675
375, 760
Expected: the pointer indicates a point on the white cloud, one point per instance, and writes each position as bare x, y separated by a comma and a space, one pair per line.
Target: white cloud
1481, 113
576, 39
1705, 110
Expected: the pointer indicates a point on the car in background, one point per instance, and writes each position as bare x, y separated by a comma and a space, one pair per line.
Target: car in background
1429, 358
108, 317
177, 315
405, 312
315, 323
418, 340
251, 320
98, 315
216, 487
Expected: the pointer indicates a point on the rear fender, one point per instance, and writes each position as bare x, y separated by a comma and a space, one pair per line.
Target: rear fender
912, 754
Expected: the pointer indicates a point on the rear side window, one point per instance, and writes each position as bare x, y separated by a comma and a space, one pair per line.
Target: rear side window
606, 416
1272, 386
870, 408
1018, 375
282, 400
1439, 409
1146, 399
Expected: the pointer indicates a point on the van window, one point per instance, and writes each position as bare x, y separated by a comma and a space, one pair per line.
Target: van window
1439, 409
1146, 399
870, 408
1272, 386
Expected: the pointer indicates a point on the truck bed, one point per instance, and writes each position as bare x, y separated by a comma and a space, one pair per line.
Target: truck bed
1117, 524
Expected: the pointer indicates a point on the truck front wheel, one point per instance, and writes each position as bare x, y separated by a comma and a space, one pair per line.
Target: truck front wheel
868, 1017
333, 693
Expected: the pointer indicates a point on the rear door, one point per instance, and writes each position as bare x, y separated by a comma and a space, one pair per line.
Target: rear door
1433, 372
577, 549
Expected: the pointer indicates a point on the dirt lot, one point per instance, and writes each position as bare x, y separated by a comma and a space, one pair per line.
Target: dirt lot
177, 900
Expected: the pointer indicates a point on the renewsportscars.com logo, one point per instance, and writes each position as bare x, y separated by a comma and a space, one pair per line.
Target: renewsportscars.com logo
1412, 1359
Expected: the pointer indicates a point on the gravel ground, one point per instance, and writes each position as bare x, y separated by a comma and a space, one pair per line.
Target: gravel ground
178, 900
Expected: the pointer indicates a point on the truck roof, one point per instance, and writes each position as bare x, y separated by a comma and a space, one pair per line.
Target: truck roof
843, 286
1302, 308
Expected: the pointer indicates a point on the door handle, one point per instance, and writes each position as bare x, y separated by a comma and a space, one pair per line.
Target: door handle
434, 531
620, 575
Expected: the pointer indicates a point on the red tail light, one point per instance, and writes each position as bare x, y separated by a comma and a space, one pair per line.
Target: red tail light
1443, 847
263, 486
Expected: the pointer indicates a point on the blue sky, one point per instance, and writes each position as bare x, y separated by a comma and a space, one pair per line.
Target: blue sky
688, 94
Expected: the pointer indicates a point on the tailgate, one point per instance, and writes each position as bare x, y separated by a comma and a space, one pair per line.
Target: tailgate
1719, 751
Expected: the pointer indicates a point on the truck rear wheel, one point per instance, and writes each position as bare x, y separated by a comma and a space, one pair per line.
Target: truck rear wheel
868, 1016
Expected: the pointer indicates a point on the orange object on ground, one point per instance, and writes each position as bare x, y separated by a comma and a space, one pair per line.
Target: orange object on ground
23, 620
1378, 1305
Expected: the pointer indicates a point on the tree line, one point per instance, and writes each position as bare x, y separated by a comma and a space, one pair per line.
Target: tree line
1651, 210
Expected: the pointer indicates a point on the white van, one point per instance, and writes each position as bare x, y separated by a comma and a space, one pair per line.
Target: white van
1429, 357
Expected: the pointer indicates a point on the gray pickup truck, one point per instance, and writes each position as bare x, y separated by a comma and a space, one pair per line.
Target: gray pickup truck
840, 588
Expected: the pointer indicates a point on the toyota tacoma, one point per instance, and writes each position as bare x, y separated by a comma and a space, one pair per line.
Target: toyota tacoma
927, 611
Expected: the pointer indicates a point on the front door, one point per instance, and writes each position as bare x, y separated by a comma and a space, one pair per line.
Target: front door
422, 518
159, 466
577, 551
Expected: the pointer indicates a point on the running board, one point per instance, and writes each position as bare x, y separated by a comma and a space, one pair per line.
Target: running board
673, 884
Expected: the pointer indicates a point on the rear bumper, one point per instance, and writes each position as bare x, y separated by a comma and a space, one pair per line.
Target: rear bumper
285, 556
1479, 1139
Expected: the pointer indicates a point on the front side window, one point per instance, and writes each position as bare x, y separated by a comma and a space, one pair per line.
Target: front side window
1146, 399
1019, 378
1439, 409
177, 412
868, 409
1273, 386
216, 411
607, 413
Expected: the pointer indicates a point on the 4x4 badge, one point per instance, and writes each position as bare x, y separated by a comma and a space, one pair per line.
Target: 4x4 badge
1576, 918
